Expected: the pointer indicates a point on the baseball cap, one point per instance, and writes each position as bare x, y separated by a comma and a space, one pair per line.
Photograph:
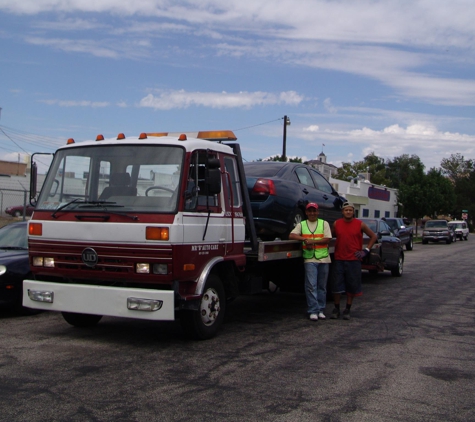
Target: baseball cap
346, 205
311, 205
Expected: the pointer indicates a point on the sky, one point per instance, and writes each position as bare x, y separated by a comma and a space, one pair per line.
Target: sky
353, 76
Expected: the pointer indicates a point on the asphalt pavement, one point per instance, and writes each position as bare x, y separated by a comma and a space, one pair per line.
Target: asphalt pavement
407, 354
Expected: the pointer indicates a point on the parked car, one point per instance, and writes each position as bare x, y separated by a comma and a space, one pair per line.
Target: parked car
18, 210
435, 231
461, 229
279, 192
388, 253
401, 230
14, 265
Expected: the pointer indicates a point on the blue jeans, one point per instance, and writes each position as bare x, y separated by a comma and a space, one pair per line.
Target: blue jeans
316, 275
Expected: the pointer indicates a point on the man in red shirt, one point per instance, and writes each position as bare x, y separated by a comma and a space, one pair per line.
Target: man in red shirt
349, 253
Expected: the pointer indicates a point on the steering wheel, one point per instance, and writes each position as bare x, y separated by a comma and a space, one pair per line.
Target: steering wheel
158, 188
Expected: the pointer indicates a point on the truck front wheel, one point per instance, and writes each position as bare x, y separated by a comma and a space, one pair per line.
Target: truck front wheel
205, 322
410, 244
81, 320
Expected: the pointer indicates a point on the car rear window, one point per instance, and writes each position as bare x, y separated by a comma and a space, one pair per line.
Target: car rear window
266, 170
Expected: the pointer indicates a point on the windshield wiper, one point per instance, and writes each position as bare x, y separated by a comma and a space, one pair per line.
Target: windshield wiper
105, 205
102, 204
67, 204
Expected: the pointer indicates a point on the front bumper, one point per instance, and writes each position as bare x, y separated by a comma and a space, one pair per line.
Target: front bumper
99, 300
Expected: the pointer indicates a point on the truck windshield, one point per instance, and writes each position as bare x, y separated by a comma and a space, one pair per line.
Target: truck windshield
129, 177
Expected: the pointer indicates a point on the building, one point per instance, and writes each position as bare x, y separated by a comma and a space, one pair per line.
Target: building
370, 200
327, 170
11, 168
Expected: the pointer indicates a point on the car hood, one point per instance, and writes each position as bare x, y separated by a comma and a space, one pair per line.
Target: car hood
9, 256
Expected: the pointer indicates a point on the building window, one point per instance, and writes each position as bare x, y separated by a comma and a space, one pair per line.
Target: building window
387, 214
376, 213
365, 212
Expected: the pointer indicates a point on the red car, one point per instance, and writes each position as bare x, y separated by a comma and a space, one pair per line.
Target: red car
17, 211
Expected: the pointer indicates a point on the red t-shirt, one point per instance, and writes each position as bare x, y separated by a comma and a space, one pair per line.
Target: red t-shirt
349, 239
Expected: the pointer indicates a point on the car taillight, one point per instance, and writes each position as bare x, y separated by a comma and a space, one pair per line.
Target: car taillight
264, 187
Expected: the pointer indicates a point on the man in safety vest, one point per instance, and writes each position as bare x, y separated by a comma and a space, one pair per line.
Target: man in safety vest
315, 235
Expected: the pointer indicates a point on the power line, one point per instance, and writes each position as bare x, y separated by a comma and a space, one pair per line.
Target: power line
260, 124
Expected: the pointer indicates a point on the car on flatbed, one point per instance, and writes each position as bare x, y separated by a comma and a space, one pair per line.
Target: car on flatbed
279, 192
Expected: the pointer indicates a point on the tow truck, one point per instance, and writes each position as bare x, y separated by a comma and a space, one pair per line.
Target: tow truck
155, 227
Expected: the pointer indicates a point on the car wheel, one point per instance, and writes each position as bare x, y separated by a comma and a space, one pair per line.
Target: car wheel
409, 245
297, 217
17, 213
448, 241
424, 242
397, 271
81, 320
203, 323
466, 237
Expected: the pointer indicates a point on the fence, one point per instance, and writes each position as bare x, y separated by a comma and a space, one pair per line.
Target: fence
16, 201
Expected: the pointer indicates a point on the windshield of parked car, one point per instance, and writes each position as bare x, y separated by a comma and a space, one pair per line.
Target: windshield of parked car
393, 224
457, 225
125, 177
436, 223
14, 236
372, 224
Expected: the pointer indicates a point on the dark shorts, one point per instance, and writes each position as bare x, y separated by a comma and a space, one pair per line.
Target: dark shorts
347, 278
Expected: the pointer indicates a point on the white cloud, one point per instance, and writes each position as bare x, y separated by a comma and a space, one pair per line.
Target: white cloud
380, 40
421, 139
167, 100
73, 103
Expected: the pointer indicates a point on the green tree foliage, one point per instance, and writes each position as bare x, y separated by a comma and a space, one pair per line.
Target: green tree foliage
371, 164
281, 158
456, 167
405, 169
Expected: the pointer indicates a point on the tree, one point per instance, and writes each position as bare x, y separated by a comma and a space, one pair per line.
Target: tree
280, 158
405, 169
456, 167
431, 194
371, 164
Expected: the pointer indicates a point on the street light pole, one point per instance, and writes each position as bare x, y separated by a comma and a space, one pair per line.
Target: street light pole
286, 123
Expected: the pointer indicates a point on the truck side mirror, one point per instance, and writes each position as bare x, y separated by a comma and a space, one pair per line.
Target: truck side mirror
33, 181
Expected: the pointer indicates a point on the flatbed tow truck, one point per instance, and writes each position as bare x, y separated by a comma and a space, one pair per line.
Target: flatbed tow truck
155, 227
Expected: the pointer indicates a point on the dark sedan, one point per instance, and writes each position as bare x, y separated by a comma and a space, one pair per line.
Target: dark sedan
388, 253
14, 265
279, 193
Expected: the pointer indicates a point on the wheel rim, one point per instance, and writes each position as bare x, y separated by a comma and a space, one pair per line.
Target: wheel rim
209, 308
400, 265
297, 219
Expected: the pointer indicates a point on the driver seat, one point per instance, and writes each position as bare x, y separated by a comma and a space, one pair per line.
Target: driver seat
119, 185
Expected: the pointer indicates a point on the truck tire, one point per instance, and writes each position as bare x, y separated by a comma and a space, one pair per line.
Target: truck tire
410, 244
397, 271
204, 323
81, 320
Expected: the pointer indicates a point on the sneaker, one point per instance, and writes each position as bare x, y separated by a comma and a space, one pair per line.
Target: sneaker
313, 317
335, 314
346, 314
321, 315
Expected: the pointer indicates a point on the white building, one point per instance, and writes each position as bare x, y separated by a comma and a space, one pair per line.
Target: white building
370, 200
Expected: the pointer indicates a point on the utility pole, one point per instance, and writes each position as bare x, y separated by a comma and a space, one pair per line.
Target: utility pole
286, 123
